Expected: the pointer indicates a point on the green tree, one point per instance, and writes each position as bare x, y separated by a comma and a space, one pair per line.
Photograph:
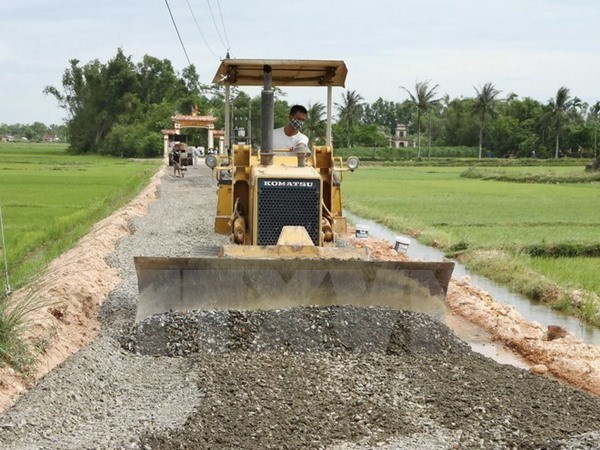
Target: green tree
350, 112
121, 97
558, 113
528, 133
314, 128
372, 136
484, 106
421, 99
94, 96
157, 80
459, 126
387, 113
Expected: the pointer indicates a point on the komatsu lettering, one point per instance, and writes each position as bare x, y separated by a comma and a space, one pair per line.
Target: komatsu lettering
288, 183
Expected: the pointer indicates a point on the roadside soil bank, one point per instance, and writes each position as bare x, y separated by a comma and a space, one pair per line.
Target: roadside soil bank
74, 286
550, 350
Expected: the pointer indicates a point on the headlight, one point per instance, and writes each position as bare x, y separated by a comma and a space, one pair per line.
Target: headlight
352, 163
211, 161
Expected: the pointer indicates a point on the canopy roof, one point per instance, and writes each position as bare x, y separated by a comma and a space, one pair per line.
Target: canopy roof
284, 72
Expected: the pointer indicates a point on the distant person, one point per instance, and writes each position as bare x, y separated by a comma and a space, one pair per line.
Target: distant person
289, 136
176, 162
197, 155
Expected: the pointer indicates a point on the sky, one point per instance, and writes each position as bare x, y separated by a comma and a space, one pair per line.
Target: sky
527, 47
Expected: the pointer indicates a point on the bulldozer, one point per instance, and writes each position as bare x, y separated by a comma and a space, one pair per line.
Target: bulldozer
284, 218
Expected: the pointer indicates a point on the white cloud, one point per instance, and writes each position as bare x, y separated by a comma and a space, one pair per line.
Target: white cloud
530, 47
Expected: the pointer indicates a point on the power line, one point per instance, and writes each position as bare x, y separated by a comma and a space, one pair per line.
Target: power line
215, 23
198, 27
178, 35
223, 23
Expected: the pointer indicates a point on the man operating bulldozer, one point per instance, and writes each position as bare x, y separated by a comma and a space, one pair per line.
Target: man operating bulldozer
289, 136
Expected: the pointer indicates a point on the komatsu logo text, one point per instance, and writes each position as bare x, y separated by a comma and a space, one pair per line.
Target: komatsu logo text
288, 183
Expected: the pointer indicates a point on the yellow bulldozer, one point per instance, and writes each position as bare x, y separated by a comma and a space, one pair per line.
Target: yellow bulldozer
283, 213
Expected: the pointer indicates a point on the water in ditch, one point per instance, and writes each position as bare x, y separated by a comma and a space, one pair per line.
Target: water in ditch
531, 311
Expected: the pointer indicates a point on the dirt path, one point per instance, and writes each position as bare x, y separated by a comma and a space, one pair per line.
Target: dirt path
76, 284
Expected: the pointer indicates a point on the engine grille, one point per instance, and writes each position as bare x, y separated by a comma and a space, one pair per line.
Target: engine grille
284, 202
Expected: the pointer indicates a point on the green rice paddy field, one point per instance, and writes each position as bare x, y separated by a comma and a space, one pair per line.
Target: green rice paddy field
50, 199
467, 214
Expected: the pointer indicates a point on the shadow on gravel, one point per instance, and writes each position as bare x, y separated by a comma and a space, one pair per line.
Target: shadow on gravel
350, 378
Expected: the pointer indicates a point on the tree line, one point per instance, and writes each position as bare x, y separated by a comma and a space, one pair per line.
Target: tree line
35, 132
120, 107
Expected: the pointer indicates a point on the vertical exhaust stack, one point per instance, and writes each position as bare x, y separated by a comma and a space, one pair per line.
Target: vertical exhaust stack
267, 118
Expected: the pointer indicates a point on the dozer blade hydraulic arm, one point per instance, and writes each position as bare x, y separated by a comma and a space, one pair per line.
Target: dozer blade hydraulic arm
184, 284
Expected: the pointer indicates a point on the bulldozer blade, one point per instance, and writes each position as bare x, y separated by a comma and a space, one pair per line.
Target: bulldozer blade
206, 283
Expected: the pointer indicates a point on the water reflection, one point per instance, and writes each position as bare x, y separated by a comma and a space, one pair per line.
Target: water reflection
531, 311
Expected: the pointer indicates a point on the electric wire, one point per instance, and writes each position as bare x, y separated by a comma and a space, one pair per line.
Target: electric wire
198, 27
178, 35
215, 23
223, 23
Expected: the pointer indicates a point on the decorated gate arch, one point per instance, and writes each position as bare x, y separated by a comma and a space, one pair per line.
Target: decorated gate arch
194, 120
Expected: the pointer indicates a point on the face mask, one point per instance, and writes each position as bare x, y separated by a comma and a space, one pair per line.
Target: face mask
296, 124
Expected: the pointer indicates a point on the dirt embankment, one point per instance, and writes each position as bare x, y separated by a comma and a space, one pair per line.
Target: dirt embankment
550, 351
73, 286
76, 284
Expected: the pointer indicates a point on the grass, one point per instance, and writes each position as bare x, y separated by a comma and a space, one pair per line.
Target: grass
51, 199
16, 318
468, 216
565, 270
532, 175
406, 153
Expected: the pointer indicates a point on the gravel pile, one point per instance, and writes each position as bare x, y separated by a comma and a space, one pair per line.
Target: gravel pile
331, 329
329, 378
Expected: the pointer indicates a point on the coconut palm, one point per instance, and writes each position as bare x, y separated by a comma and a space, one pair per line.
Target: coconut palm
422, 99
558, 113
595, 112
484, 106
314, 127
350, 111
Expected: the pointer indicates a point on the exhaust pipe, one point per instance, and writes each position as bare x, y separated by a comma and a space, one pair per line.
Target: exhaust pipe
267, 118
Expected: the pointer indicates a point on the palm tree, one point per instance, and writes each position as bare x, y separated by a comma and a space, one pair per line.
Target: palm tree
595, 112
422, 99
559, 107
314, 127
350, 111
485, 103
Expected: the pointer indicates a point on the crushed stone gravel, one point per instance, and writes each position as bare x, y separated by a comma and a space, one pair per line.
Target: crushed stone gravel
342, 378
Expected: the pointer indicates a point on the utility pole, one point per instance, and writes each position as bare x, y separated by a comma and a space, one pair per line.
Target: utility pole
596, 138
7, 289
429, 140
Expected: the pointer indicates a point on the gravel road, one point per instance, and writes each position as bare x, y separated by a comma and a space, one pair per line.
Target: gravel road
342, 378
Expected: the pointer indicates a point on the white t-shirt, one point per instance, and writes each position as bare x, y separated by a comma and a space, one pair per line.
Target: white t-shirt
282, 140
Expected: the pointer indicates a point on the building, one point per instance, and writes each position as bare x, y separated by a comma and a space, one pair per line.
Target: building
400, 138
